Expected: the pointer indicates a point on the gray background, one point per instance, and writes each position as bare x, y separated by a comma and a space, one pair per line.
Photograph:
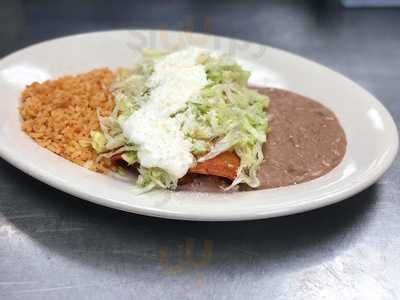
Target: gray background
55, 246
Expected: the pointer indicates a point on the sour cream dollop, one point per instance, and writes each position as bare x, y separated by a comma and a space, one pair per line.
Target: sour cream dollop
176, 79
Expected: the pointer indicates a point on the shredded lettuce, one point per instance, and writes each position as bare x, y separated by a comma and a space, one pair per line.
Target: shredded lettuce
98, 141
229, 116
150, 178
130, 157
224, 69
226, 116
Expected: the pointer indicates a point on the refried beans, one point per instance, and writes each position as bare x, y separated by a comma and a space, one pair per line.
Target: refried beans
306, 141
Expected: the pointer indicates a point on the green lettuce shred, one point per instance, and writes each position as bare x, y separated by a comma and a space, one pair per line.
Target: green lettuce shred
229, 116
130, 157
225, 70
150, 178
99, 141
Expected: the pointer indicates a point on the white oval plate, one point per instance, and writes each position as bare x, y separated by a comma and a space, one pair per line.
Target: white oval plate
371, 133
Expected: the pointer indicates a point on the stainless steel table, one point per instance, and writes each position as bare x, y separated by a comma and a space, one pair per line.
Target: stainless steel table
55, 246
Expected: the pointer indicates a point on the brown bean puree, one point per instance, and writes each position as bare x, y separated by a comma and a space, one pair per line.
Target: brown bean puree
306, 141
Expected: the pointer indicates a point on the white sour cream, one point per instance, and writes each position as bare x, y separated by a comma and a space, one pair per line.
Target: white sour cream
176, 79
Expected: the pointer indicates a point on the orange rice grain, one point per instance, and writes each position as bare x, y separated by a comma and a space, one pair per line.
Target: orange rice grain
58, 114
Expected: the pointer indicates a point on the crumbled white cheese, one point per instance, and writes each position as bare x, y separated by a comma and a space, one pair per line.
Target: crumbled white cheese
176, 79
